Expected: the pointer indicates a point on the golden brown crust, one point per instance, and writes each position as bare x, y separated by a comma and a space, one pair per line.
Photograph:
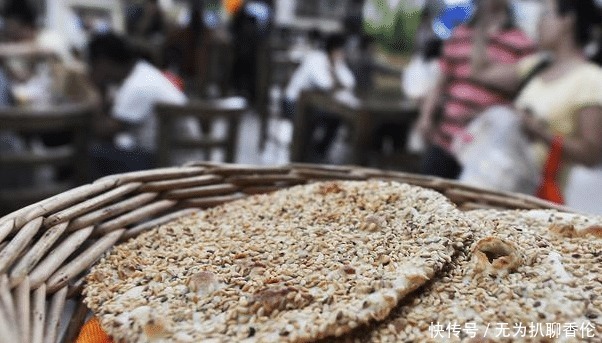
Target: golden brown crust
563, 230
569, 231
496, 256
155, 329
553, 280
595, 231
300, 264
279, 298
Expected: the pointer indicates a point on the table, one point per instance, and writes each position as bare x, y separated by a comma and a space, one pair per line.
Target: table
363, 113
63, 131
24, 50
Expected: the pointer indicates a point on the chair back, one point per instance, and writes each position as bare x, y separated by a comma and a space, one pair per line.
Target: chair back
276, 68
207, 114
56, 139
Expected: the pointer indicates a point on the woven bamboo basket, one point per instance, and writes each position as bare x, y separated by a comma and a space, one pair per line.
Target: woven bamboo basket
47, 248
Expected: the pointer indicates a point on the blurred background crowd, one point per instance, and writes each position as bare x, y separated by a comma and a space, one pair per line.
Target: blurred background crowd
502, 94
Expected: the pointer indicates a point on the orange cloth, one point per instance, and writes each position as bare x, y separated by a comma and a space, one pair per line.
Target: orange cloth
93, 333
232, 6
549, 188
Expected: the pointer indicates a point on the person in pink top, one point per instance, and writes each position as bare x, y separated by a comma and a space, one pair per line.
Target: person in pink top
460, 97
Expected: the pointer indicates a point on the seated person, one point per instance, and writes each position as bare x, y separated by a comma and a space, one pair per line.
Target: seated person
132, 123
417, 79
24, 37
321, 70
366, 66
39, 62
146, 20
363, 63
38, 70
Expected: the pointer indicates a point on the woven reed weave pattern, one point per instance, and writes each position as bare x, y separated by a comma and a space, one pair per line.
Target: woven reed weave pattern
46, 248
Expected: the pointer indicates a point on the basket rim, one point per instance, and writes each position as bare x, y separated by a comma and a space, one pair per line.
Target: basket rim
190, 169
47, 248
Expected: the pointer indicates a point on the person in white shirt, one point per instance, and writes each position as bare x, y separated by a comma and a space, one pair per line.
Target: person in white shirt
21, 30
141, 86
321, 70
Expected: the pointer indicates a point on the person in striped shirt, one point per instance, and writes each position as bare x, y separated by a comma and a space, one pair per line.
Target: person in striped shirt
458, 95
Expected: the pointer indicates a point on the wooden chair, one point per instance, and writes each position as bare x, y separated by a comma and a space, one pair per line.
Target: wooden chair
276, 69
68, 123
112, 9
206, 113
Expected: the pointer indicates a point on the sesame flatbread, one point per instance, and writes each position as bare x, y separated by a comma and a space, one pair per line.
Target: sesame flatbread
576, 243
300, 264
518, 282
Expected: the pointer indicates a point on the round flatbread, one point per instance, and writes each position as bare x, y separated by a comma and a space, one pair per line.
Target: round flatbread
520, 281
576, 246
299, 264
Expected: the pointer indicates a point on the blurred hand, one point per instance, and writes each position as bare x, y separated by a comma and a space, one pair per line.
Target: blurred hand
534, 128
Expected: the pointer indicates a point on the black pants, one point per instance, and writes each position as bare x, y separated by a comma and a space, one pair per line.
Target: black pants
329, 122
108, 160
398, 134
439, 162
289, 109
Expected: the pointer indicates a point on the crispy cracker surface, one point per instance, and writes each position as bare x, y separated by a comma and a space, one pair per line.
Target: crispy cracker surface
299, 264
528, 276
